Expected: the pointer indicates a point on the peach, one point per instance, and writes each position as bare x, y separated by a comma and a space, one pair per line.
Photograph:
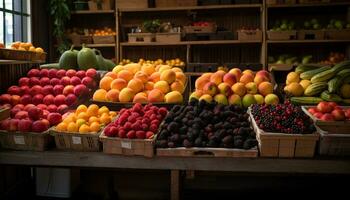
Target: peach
163, 86
71, 99
44, 73
118, 84
81, 74
263, 73
260, 78
37, 89
126, 95
69, 89
55, 81
246, 78
259, 99
163, 68
230, 79
248, 100
235, 99
140, 98
207, 75
48, 99
149, 85
196, 95
126, 75
99, 95
71, 72
80, 90
24, 81
52, 73
61, 73
37, 99
155, 95
33, 73
112, 95
201, 81
177, 86
221, 99
133, 67
265, 88
64, 81
44, 81
210, 88
136, 85
168, 76
155, 77
141, 76
47, 89
217, 77
180, 76
271, 99
248, 71
112, 75
239, 89
117, 69
105, 83
91, 73
236, 72
60, 99
25, 99
173, 97
206, 97
176, 69
148, 69
6, 98
89, 82
225, 89
251, 88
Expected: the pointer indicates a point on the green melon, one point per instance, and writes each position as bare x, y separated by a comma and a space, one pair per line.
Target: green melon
87, 59
68, 59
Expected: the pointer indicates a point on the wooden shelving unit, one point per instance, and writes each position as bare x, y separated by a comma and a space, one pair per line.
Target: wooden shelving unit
304, 41
190, 43
93, 12
308, 5
98, 45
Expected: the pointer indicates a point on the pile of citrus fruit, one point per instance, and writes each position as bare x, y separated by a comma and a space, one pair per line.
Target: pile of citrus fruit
86, 119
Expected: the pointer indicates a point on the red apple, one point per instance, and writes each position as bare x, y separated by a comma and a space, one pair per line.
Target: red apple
62, 108
35, 113
131, 134
333, 104
25, 89
24, 81
55, 81
36, 89
45, 121
324, 107
33, 73
140, 134
88, 81
14, 111
71, 99
47, 89
75, 80
110, 131
52, 73
71, 73
60, 99
28, 106
54, 118
34, 81
69, 89
91, 73
338, 115
52, 108
45, 114
5, 124
44, 73
37, 99
5, 98
48, 99
327, 117
61, 73
65, 81
80, 90
58, 89
42, 106
40, 126
26, 99
15, 90
44, 81
13, 125
25, 125
81, 74
21, 115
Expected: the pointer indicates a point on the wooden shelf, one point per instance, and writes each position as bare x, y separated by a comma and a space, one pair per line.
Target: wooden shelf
308, 5
304, 41
189, 43
100, 160
192, 8
14, 62
97, 45
93, 12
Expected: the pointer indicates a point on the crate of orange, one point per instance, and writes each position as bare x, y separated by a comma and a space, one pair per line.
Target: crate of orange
80, 129
159, 84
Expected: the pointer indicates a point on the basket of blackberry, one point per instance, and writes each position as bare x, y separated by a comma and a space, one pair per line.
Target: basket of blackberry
283, 130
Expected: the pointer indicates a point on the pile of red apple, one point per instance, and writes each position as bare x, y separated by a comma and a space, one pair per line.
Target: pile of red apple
43, 96
330, 111
137, 122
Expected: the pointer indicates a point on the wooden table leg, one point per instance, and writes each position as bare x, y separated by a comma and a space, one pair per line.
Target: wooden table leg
175, 185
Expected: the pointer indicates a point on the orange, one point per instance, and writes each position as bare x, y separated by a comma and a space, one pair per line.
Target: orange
84, 116
81, 108
70, 118
103, 109
94, 127
105, 119
80, 122
112, 114
84, 129
105, 83
100, 95
61, 127
72, 127
93, 119
92, 110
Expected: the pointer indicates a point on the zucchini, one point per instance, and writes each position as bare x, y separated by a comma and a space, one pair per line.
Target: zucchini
340, 66
325, 95
309, 74
335, 83
323, 76
315, 88
305, 100
307, 67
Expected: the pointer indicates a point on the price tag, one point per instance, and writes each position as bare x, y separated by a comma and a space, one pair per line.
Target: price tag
126, 145
76, 140
19, 139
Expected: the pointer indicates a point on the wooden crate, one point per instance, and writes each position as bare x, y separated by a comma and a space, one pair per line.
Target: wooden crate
168, 37
207, 152
338, 34
333, 144
76, 141
175, 3
28, 141
200, 29
311, 34
284, 145
244, 35
313, 1
86, 39
332, 127
282, 35
127, 147
4, 113
108, 39
12, 54
132, 4
141, 37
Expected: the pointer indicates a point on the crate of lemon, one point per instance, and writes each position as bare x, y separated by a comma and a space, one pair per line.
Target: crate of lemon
312, 83
142, 83
80, 129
